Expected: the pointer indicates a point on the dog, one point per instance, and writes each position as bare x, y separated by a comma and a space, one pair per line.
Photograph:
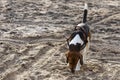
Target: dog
78, 44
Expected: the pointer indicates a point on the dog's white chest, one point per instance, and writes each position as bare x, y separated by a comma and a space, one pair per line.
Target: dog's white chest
76, 39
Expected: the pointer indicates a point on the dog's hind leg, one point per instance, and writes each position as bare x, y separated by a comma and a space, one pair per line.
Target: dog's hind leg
66, 54
88, 44
84, 53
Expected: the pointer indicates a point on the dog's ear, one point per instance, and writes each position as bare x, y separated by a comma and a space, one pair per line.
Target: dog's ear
81, 59
66, 54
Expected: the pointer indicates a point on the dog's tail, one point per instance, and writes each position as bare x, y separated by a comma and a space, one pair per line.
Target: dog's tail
85, 13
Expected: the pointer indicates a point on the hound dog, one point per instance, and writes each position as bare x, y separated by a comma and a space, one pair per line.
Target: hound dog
78, 44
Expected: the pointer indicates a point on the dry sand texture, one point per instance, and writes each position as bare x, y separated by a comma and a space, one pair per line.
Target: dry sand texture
32, 44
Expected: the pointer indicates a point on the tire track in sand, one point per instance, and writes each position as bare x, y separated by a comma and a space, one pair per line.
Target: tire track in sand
40, 62
41, 52
24, 62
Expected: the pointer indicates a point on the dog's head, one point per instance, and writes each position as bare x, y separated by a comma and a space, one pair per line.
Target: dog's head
72, 60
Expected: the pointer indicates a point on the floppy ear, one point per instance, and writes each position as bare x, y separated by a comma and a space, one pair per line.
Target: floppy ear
66, 54
81, 59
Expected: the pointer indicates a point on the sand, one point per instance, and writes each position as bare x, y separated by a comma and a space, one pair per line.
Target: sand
32, 39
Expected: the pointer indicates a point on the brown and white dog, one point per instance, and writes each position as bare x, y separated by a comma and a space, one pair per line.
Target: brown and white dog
78, 44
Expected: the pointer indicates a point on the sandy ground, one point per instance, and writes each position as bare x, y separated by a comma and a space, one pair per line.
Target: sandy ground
32, 44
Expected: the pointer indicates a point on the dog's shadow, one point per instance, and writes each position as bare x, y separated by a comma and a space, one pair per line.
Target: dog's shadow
90, 68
